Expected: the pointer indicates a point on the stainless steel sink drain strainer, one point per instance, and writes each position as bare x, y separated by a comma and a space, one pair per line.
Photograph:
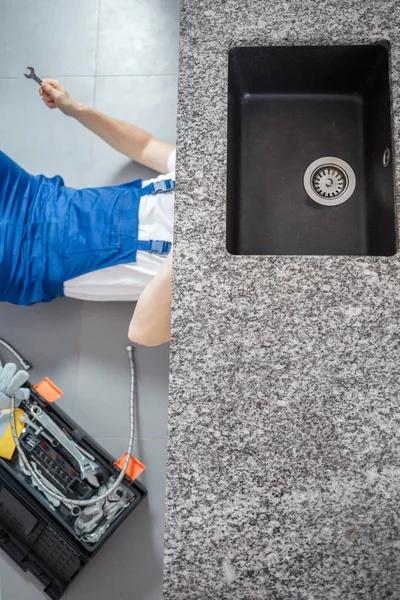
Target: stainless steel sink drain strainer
329, 181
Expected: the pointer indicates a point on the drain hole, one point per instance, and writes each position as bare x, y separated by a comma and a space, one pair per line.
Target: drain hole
329, 181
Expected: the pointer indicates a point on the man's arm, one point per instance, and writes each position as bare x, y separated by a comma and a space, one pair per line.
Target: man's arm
137, 144
151, 321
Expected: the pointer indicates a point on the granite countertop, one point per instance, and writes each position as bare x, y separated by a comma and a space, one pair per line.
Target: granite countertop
284, 451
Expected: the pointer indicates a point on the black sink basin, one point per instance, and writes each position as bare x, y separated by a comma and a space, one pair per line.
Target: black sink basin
309, 151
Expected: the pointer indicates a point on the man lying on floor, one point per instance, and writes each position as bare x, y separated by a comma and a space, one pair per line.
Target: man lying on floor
104, 244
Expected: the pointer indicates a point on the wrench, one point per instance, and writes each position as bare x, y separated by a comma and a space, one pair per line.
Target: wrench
32, 75
38, 429
88, 467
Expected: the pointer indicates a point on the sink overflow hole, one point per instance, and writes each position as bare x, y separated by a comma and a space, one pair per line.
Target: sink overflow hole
386, 157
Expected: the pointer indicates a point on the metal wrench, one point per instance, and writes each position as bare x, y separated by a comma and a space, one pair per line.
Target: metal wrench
32, 75
88, 467
38, 429
53, 501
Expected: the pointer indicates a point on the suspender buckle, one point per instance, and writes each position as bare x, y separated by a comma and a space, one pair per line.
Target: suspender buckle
160, 247
165, 185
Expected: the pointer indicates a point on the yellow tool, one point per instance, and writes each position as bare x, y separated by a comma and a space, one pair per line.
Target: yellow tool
7, 444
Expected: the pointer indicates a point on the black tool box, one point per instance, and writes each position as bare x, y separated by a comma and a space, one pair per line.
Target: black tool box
38, 537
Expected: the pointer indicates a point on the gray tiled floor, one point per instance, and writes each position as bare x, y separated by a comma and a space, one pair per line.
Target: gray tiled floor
44, 141
57, 38
138, 37
121, 56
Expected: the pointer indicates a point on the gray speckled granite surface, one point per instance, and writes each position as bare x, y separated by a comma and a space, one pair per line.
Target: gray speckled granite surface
284, 452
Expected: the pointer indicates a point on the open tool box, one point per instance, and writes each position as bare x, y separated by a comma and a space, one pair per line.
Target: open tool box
55, 539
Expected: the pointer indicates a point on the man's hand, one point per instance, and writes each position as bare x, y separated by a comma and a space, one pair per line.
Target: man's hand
56, 96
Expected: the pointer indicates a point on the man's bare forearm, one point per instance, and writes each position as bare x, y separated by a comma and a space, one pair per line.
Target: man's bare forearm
128, 139
151, 321
134, 142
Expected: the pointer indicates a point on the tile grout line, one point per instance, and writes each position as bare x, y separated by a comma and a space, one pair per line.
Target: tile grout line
96, 55
136, 75
96, 76
76, 403
95, 89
